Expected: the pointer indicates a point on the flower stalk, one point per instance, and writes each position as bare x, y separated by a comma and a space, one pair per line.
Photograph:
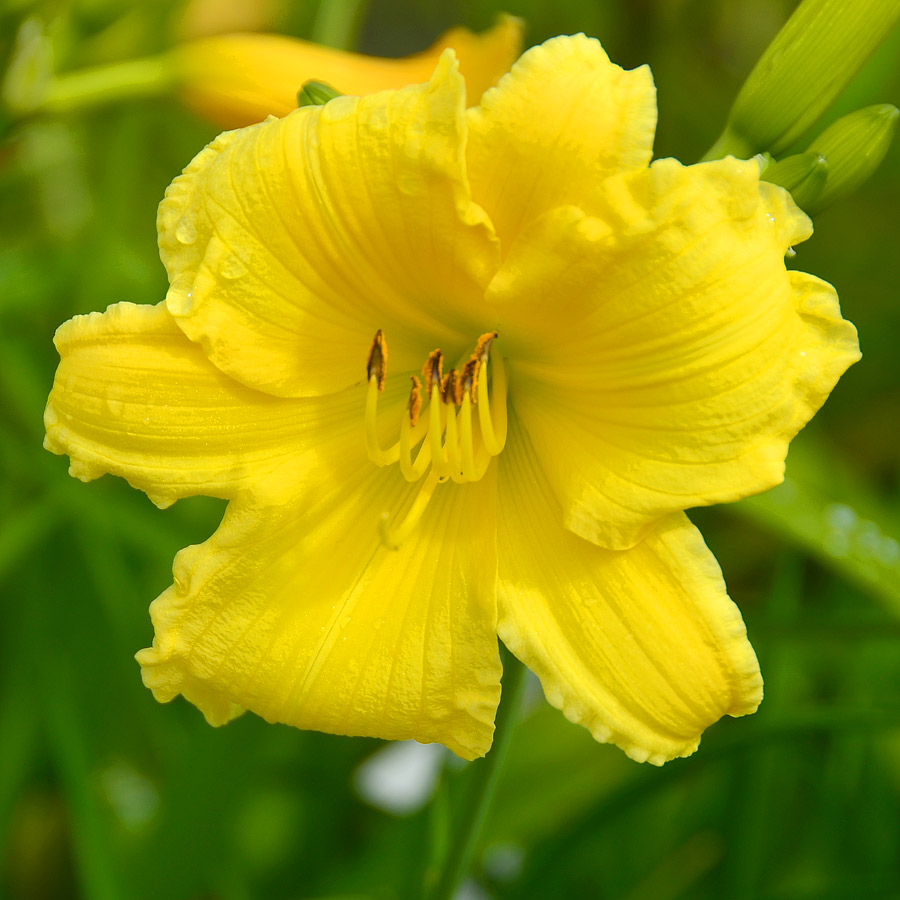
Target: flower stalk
468, 830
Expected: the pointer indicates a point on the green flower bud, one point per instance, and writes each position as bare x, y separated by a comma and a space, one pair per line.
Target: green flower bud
804, 175
316, 93
810, 61
854, 146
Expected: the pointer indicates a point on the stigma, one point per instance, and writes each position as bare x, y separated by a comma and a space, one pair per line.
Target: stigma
453, 426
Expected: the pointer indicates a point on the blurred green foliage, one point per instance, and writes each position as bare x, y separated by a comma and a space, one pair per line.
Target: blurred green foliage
104, 794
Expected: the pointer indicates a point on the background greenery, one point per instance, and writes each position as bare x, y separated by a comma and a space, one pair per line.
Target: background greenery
104, 794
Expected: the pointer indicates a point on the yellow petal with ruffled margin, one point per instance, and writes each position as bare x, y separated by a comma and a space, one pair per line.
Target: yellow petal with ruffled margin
294, 610
134, 397
288, 244
239, 79
663, 356
643, 647
560, 122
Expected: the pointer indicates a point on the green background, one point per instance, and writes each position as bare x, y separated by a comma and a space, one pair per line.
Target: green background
105, 794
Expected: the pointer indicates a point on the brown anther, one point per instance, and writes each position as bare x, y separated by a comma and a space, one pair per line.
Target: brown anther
478, 358
377, 364
415, 400
433, 370
451, 388
470, 377
483, 346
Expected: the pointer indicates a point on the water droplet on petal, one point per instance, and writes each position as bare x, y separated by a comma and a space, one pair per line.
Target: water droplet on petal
186, 231
232, 268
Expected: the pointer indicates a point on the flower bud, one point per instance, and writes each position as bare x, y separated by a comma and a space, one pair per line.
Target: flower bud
853, 147
316, 93
810, 61
804, 175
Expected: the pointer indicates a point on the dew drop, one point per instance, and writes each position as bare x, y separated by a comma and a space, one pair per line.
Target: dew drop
179, 304
232, 268
185, 231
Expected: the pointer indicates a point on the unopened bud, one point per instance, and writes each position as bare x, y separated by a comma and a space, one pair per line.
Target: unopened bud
316, 93
804, 175
854, 147
810, 61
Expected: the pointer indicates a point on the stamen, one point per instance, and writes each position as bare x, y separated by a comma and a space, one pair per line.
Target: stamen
373, 447
411, 432
435, 429
377, 362
441, 417
451, 388
451, 446
394, 537
433, 370
415, 400
466, 443
494, 439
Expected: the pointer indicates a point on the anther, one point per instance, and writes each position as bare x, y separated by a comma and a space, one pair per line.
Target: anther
414, 406
433, 370
483, 346
377, 362
451, 388
470, 377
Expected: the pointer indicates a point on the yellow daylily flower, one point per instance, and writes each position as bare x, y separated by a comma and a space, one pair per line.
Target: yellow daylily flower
605, 342
238, 79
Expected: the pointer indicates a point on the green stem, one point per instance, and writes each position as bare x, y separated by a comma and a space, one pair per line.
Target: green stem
105, 84
486, 774
337, 23
729, 144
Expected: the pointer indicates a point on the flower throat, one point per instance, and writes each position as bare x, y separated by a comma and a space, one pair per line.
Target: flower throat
460, 424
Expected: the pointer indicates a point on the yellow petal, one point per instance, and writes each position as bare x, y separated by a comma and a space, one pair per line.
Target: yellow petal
560, 122
288, 244
643, 647
134, 397
295, 611
239, 79
663, 357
